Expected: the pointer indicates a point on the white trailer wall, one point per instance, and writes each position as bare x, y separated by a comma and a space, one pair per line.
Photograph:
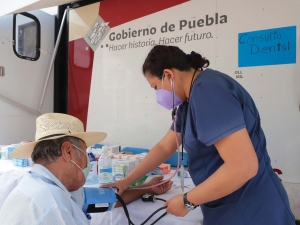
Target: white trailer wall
123, 104
23, 82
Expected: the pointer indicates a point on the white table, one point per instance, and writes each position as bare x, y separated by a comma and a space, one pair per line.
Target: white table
139, 210
7, 165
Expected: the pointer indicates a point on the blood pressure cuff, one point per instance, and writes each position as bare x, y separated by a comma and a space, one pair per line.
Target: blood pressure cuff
98, 199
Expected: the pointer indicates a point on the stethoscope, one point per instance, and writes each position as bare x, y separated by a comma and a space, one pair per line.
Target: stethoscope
174, 119
185, 110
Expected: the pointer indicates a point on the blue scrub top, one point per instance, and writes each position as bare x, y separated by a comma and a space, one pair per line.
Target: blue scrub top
218, 107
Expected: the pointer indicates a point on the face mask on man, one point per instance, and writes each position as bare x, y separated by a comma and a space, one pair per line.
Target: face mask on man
167, 99
86, 170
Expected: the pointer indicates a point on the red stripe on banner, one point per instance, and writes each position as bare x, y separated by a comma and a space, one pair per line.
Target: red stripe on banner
81, 58
117, 12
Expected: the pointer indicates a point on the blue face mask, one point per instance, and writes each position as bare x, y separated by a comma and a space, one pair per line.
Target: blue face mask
86, 170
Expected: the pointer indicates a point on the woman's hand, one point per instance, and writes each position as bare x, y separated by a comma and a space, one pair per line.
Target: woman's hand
175, 206
121, 185
160, 189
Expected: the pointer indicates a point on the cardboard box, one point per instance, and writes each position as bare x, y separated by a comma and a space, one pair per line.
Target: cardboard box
166, 168
162, 169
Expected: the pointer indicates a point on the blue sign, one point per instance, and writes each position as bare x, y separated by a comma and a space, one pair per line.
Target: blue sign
267, 47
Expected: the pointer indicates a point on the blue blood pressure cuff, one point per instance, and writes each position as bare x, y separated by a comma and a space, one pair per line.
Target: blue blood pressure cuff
98, 199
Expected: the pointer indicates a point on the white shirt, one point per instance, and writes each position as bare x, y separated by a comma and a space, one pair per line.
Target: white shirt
35, 201
8, 181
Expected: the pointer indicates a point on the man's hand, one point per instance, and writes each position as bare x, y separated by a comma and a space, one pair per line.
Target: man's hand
130, 195
175, 206
160, 189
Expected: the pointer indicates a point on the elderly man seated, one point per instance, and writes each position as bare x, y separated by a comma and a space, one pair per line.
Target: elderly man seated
51, 193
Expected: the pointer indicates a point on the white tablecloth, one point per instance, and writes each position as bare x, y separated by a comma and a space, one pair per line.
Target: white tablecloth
6, 165
139, 211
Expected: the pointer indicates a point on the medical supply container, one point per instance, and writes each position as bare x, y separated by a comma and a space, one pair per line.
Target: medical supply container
9, 149
105, 167
93, 176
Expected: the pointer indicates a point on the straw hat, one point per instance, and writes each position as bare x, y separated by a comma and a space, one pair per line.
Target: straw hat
56, 125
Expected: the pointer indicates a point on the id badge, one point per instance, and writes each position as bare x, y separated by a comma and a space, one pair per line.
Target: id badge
182, 177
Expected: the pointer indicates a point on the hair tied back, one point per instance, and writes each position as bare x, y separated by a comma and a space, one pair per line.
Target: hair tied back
191, 56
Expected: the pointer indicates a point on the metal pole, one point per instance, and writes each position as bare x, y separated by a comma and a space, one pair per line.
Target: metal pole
2, 73
53, 58
19, 105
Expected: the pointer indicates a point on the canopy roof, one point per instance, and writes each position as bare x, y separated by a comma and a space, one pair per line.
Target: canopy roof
16, 6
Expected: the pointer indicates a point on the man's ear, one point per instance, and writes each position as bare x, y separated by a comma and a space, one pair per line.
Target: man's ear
66, 151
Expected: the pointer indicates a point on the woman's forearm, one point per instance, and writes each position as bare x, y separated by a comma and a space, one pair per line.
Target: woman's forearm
158, 154
224, 181
154, 158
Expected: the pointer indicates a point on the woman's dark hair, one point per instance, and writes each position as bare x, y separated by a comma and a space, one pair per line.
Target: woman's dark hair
166, 57
48, 150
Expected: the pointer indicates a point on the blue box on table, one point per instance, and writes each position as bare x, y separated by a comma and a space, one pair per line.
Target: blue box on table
21, 162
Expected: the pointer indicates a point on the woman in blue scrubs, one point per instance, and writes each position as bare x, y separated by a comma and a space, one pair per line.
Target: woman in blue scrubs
219, 127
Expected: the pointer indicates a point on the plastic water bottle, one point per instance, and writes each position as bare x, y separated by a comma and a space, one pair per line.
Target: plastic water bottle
105, 167
92, 177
